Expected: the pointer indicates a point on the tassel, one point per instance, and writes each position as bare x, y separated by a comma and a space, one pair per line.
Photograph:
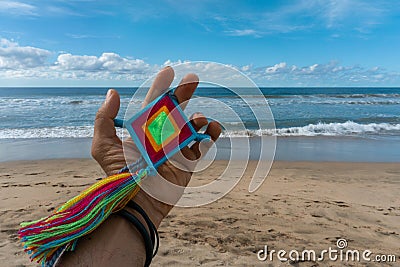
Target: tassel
44, 239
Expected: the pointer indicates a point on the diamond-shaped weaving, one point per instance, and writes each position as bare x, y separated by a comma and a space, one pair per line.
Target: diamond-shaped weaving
160, 130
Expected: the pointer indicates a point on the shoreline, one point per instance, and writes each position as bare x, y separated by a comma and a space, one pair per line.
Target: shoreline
301, 205
316, 149
250, 162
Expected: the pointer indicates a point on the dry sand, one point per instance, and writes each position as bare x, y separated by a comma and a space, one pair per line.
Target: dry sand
302, 205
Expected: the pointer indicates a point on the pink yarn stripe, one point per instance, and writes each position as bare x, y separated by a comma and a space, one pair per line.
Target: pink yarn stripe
76, 208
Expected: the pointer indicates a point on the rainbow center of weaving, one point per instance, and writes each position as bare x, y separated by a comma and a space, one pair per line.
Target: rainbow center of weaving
161, 128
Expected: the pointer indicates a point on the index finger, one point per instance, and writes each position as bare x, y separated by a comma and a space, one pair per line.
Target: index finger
186, 88
160, 85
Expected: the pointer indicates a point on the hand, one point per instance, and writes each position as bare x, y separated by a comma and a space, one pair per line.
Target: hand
107, 148
116, 241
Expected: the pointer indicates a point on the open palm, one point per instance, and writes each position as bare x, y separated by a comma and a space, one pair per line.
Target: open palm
107, 147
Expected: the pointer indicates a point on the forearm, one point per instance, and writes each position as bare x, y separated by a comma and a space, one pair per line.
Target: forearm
116, 240
115, 243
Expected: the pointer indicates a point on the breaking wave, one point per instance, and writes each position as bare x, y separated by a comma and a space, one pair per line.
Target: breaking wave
348, 128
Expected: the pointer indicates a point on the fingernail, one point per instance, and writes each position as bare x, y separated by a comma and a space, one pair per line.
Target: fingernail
108, 94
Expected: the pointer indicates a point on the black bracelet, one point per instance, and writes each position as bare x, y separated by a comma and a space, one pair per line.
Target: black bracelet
151, 241
155, 239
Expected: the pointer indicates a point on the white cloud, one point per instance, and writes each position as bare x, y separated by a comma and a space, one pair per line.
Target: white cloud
330, 74
91, 36
283, 74
25, 63
361, 13
351, 15
13, 56
246, 32
313, 67
208, 72
245, 68
294, 16
276, 68
72, 62
16, 8
107, 62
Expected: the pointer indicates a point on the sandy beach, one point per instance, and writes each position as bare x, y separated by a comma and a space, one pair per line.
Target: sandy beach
301, 205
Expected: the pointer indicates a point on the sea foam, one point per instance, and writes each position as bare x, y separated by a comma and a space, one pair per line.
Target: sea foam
348, 128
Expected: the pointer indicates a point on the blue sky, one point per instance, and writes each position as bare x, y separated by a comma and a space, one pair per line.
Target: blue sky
276, 43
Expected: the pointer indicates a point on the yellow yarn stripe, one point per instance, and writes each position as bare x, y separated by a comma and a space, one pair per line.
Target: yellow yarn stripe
100, 183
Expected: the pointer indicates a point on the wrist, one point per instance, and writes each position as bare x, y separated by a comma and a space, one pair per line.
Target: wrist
155, 209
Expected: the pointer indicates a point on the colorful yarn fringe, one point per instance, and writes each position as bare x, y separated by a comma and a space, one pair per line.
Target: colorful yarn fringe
44, 239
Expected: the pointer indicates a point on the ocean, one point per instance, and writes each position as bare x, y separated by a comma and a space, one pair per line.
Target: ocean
302, 116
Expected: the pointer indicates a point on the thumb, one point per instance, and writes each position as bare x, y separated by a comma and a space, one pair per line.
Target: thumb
104, 123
